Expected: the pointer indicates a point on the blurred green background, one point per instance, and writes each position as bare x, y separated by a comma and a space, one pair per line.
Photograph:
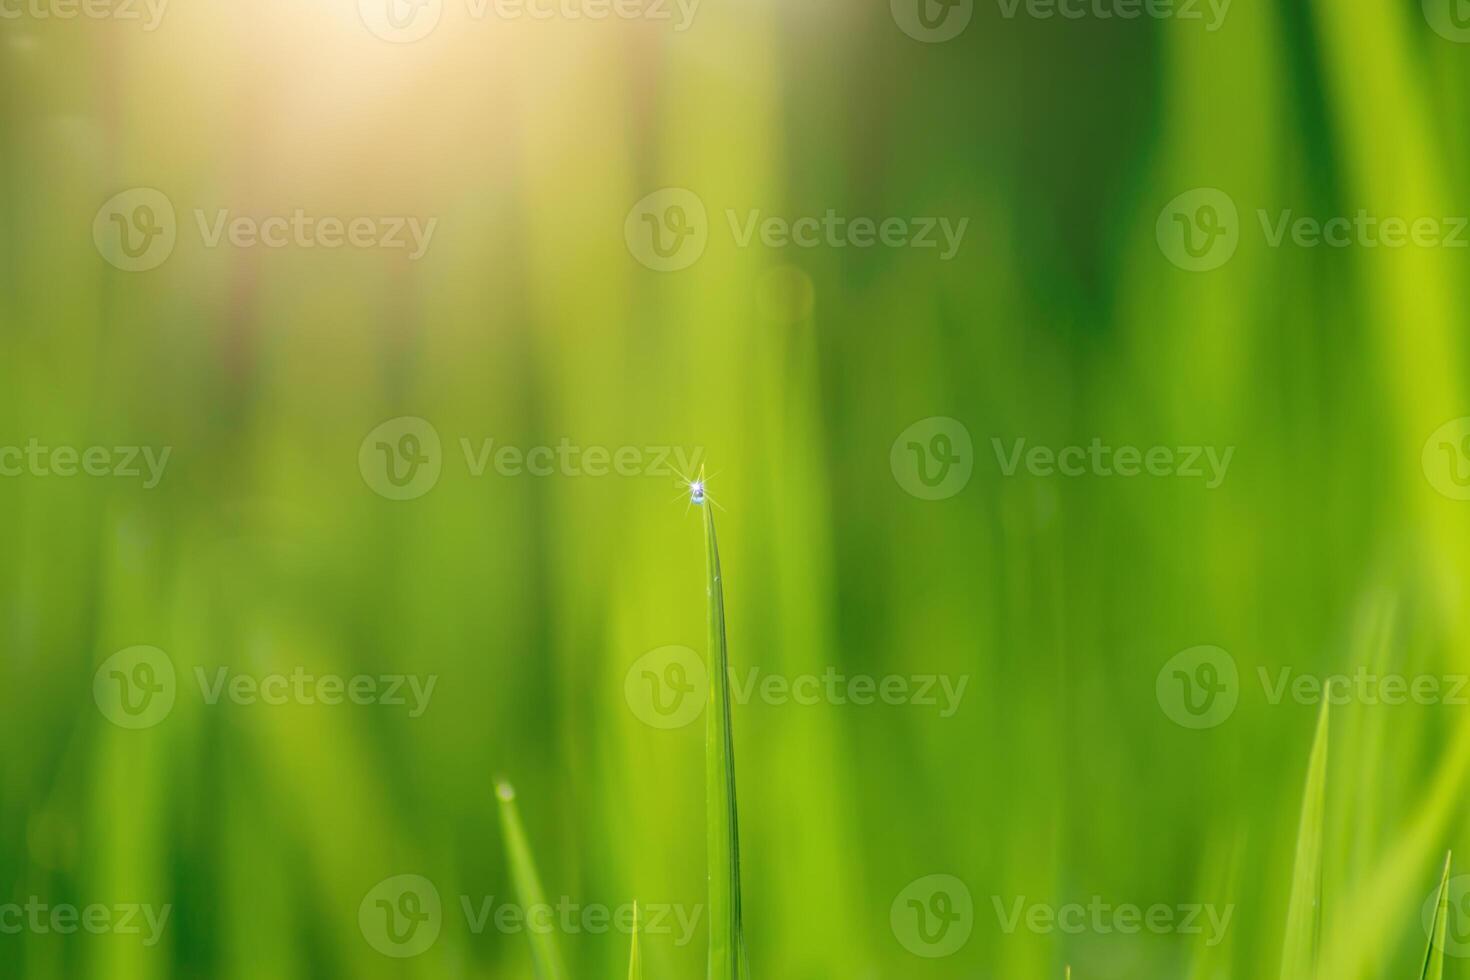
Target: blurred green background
533, 318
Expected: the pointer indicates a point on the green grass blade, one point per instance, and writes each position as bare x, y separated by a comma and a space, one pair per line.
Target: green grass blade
726, 943
635, 959
1434, 956
1303, 914
544, 953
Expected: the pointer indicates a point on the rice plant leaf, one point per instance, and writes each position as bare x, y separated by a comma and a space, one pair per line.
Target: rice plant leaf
635, 959
726, 941
1433, 968
1303, 914
544, 954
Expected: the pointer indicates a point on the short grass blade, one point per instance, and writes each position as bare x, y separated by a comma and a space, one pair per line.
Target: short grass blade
1303, 914
544, 953
635, 958
1433, 968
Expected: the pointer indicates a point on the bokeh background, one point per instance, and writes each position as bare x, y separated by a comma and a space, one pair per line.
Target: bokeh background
530, 320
